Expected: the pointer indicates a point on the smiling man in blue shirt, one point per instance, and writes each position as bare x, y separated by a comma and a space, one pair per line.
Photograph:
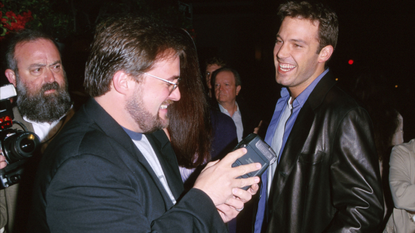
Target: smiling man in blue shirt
327, 176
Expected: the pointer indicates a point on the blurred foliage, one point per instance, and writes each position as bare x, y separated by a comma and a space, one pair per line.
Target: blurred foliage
66, 18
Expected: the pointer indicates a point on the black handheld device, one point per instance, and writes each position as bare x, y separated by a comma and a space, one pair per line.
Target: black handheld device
258, 152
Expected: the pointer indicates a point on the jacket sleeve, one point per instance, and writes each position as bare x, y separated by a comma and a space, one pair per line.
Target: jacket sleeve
90, 193
354, 174
401, 176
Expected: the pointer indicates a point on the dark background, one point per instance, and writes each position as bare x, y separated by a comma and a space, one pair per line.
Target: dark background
375, 34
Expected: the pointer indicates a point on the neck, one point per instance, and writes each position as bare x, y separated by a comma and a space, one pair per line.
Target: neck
230, 107
110, 102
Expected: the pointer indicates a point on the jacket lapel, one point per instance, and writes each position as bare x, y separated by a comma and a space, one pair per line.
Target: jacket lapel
168, 161
298, 136
292, 150
117, 133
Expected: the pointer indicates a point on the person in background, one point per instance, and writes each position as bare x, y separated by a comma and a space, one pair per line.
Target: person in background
197, 132
34, 66
212, 64
371, 88
327, 175
227, 85
402, 183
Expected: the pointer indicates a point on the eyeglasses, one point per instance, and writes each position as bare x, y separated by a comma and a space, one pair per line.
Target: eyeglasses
172, 85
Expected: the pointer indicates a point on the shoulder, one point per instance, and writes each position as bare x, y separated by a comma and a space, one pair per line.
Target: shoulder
221, 120
404, 149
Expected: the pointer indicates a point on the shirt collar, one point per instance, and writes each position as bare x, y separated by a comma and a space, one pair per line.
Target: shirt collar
133, 135
222, 109
302, 98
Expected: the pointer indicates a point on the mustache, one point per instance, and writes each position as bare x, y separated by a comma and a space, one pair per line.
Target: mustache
50, 86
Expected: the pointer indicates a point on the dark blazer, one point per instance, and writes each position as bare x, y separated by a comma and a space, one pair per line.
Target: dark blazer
94, 179
328, 177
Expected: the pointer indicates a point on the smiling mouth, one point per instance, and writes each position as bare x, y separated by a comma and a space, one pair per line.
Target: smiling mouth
286, 67
165, 104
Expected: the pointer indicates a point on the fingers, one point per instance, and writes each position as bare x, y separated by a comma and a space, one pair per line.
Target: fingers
253, 189
3, 162
247, 168
243, 195
235, 202
227, 212
256, 129
234, 155
211, 163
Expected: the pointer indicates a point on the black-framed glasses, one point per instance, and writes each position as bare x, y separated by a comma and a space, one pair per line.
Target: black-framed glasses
172, 85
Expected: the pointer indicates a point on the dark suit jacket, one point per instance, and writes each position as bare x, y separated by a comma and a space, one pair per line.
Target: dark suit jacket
328, 177
94, 179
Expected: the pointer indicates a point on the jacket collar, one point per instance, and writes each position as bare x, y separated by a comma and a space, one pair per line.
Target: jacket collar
158, 140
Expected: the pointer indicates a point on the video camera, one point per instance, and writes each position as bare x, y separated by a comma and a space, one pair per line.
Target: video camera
17, 145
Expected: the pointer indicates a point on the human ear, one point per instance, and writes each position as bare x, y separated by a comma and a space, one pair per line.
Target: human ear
121, 82
238, 89
325, 53
11, 76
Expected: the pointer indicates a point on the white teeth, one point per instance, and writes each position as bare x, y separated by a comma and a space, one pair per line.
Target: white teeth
286, 67
163, 106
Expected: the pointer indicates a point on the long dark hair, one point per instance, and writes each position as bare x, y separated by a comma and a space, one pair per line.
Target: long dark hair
189, 119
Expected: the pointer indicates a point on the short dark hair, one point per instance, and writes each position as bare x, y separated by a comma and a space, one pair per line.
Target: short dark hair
131, 44
215, 60
328, 28
235, 73
22, 36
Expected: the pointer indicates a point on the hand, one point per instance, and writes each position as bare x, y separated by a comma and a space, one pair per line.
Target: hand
256, 129
3, 162
219, 180
235, 205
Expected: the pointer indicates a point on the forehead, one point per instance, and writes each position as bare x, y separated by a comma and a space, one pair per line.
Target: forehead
40, 50
299, 29
225, 76
212, 67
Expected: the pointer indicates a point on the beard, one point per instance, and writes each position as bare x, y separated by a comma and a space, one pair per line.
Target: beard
147, 122
40, 107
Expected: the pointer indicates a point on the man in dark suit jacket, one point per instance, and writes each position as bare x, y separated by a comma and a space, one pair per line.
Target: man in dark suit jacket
327, 176
106, 171
227, 85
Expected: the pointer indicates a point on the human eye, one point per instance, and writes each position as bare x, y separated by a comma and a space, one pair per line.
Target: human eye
36, 71
56, 68
278, 41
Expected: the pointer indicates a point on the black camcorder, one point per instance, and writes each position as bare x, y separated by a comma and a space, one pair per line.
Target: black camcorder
17, 145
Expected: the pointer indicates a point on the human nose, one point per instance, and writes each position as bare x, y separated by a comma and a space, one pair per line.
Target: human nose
281, 51
175, 95
49, 76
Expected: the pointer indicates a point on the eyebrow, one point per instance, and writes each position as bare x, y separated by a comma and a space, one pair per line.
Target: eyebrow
298, 41
293, 40
42, 65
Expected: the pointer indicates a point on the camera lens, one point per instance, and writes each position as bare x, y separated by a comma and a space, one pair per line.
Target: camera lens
20, 145
27, 145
